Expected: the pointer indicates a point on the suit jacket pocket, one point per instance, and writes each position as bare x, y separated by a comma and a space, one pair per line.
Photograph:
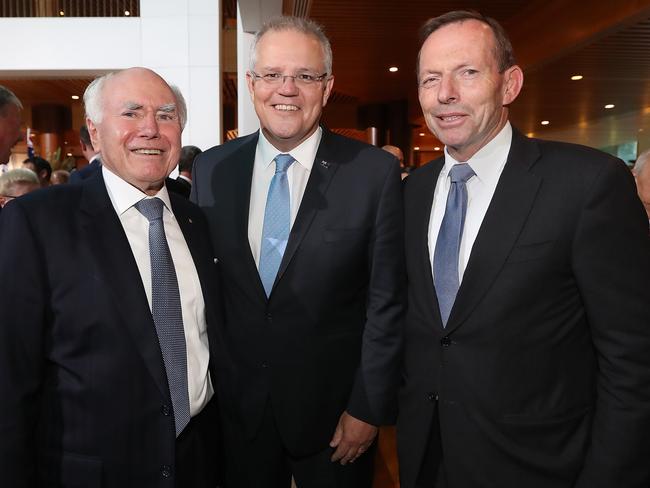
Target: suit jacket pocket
335, 235
530, 252
69, 470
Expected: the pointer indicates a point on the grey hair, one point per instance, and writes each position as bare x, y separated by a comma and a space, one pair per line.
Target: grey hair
94, 103
286, 23
16, 177
640, 162
7, 97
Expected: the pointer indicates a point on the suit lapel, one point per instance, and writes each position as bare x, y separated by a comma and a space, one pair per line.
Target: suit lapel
119, 272
238, 186
422, 216
313, 200
503, 222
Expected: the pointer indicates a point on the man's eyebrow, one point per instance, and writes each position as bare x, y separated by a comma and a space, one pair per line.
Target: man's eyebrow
133, 105
167, 108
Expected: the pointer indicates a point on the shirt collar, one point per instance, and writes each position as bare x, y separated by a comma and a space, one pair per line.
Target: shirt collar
490, 159
304, 153
123, 195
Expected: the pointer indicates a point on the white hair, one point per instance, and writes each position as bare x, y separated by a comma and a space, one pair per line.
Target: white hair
94, 103
16, 177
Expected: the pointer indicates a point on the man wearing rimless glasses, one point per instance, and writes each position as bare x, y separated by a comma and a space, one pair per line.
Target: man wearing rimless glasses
307, 228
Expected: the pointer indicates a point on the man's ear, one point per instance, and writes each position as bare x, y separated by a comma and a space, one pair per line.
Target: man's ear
328, 89
94, 135
513, 81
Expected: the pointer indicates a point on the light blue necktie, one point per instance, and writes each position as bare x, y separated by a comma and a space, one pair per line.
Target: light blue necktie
277, 223
445, 258
166, 311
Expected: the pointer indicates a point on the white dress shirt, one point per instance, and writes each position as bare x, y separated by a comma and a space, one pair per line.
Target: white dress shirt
488, 164
263, 171
136, 226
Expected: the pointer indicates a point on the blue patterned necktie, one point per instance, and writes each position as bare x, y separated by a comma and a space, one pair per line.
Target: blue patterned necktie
166, 311
445, 258
277, 223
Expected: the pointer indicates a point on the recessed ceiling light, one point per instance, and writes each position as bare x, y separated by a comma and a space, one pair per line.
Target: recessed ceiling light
61, 13
576, 77
127, 13
416, 148
545, 122
437, 148
75, 97
69, 154
610, 105
421, 134
393, 69
530, 134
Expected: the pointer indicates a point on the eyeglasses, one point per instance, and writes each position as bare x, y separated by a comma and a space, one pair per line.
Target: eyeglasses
279, 78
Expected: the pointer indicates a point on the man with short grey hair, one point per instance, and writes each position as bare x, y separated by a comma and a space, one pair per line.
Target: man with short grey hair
641, 172
10, 133
307, 228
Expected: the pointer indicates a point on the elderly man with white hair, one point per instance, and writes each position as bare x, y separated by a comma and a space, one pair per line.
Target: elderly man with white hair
107, 321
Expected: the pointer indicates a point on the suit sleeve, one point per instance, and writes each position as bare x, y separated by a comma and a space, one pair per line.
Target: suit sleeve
374, 392
22, 318
611, 258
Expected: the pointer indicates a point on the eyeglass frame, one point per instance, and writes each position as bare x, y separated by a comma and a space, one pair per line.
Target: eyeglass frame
282, 78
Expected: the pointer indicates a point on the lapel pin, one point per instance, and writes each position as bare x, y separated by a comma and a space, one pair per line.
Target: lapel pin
190, 221
215, 260
325, 164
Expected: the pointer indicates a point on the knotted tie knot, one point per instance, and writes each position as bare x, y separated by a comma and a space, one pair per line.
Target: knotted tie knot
282, 163
461, 173
151, 208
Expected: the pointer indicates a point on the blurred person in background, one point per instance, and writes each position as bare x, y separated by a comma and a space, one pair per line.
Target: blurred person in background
184, 179
641, 172
89, 152
59, 177
41, 167
15, 183
10, 119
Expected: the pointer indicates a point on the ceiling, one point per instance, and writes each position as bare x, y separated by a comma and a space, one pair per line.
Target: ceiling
553, 40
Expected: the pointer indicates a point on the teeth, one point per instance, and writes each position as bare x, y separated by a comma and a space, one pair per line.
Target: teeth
289, 108
450, 117
149, 151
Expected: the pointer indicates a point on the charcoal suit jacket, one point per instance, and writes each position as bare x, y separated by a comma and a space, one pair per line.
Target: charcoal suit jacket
328, 337
541, 378
85, 400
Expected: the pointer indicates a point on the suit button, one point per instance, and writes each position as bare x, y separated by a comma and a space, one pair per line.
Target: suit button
269, 317
166, 471
432, 397
165, 410
445, 341
264, 364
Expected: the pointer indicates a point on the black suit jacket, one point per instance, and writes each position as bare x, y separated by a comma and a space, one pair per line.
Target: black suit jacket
85, 400
543, 371
329, 336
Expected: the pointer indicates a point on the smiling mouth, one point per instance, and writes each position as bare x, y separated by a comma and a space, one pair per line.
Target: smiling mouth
148, 152
449, 118
285, 108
